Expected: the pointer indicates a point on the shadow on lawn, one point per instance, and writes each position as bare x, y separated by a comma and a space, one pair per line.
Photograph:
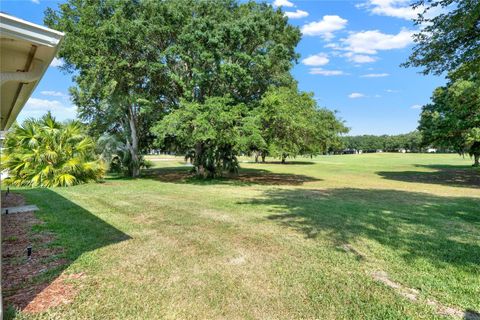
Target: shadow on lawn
444, 230
245, 177
75, 231
449, 175
288, 162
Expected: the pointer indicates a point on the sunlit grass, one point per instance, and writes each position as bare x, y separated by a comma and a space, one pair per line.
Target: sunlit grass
270, 244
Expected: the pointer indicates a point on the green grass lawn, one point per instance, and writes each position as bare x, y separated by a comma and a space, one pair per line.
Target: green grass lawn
293, 241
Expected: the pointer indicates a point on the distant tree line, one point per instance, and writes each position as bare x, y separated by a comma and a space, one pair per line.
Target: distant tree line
411, 141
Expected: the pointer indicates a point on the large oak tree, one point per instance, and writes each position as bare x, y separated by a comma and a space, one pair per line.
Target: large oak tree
133, 60
224, 51
452, 120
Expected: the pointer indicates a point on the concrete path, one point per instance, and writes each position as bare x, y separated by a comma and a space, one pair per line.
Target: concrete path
20, 209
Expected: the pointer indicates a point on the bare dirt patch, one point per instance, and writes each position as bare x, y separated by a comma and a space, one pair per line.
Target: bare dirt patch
237, 261
246, 177
268, 178
12, 200
175, 177
58, 292
22, 282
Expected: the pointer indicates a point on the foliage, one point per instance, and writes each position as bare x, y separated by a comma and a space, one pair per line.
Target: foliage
229, 48
448, 41
116, 51
47, 153
452, 119
113, 151
136, 59
285, 123
292, 124
390, 143
212, 133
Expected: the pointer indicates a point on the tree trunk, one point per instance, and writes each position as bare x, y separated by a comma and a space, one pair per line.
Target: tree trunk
198, 160
133, 145
256, 157
477, 160
284, 158
263, 157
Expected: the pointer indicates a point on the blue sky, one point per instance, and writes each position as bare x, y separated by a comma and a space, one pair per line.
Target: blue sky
350, 56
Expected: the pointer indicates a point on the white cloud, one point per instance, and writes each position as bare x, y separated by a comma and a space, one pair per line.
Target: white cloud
392, 8
36, 1
375, 75
372, 41
296, 14
416, 106
325, 27
327, 73
56, 63
392, 91
34, 103
333, 46
316, 60
356, 95
361, 47
37, 107
53, 93
283, 3
360, 58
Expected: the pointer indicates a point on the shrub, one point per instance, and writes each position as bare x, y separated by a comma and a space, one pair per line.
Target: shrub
47, 153
116, 154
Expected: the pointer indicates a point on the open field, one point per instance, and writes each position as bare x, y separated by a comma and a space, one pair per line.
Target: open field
319, 238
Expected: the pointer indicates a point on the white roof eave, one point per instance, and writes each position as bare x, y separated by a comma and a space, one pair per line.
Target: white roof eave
24, 30
26, 48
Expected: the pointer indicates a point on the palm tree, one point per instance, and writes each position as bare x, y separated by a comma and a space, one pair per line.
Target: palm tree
48, 153
116, 153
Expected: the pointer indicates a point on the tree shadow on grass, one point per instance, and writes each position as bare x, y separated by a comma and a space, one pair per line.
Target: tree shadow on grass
448, 175
245, 177
287, 163
444, 230
70, 230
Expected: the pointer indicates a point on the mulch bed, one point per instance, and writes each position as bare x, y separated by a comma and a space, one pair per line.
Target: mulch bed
21, 282
12, 200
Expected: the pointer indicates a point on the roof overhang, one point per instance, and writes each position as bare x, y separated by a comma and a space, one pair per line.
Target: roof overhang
26, 51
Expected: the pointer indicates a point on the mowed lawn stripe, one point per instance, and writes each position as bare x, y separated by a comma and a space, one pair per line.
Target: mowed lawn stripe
231, 249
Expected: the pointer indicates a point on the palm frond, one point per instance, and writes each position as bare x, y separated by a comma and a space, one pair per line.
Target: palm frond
47, 153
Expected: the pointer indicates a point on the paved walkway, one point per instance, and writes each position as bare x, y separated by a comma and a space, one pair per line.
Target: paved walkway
20, 209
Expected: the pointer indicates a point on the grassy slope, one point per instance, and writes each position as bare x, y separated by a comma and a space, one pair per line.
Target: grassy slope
271, 246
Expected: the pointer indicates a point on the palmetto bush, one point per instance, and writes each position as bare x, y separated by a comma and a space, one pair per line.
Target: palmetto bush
48, 153
114, 152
